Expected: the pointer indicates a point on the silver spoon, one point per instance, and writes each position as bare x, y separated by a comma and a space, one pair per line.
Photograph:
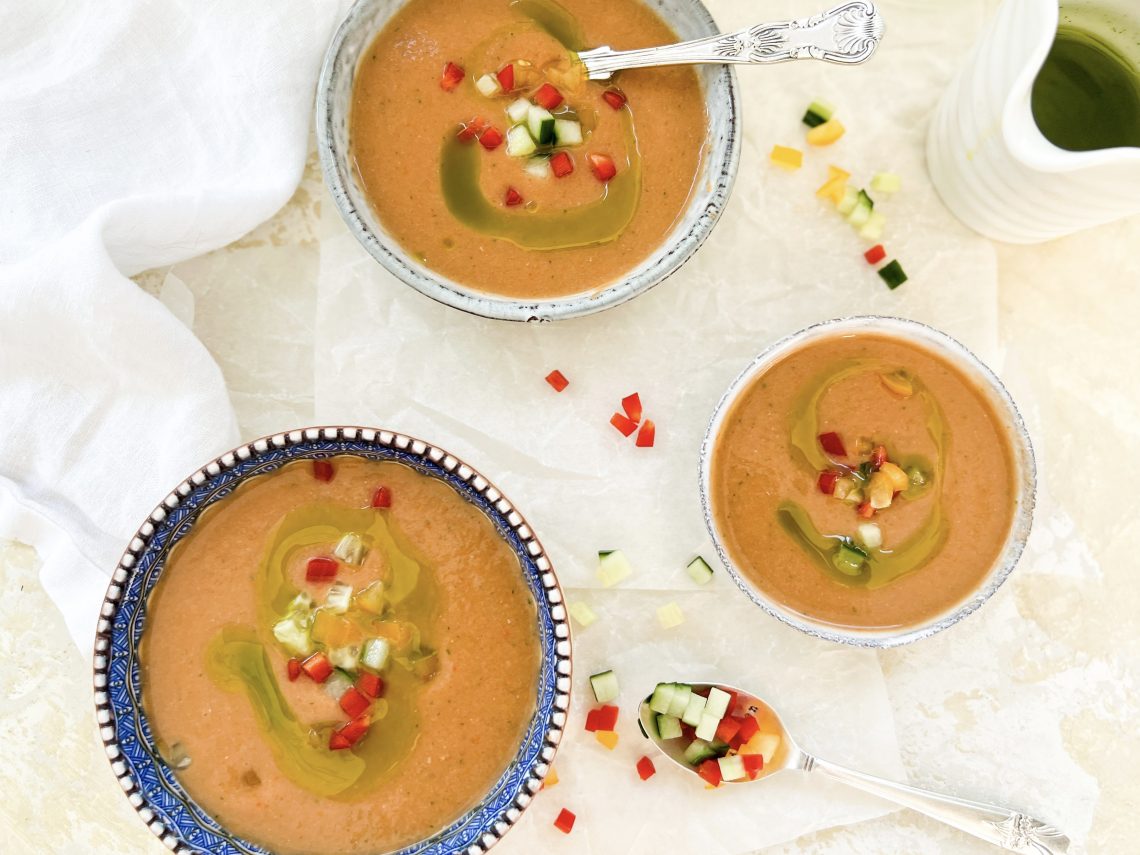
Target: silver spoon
1009, 829
847, 34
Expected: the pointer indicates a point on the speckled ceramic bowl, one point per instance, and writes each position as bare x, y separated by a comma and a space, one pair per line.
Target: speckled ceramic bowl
149, 782
1003, 405
688, 18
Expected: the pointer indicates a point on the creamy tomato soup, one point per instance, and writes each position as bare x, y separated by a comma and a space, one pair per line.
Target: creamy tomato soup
487, 155
341, 657
863, 481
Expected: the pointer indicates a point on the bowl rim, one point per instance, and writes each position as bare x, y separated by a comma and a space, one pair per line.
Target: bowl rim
665, 260
172, 519
1025, 469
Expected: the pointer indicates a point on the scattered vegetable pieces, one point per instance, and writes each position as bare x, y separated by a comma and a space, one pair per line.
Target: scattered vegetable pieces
647, 434
832, 444
827, 133
670, 616
293, 669
488, 86
506, 77
608, 738
354, 702
512, 198
547, 97
623, 423
646, 769
317, 667
817, 113
557, 380
323, 470
632, 406
565, 821
583, 614
491, 138
601, 719
561, 164
382, 498
875, 254
893, 274
605, 686
699, 571
613, 567
615, 98
451, 78
886, 182
710, 771
827, 481
321, 569
602, 165
370, 685
786, 158
551, 778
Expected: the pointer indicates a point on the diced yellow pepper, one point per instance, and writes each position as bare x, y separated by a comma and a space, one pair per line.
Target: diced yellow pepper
787, 158
899, 479
834, 189
371, 598
670, 615
583, 614
836, 172
608, 738
551, 778
335, 630
827, 133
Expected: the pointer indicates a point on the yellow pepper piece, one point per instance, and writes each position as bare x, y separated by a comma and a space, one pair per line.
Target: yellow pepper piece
836, 172
833, 190
551, 778
787, 158
899, 480
608, 738
827, 133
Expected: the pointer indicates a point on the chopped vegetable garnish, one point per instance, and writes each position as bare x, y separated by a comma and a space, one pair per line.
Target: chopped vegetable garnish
323, 470
538, 167
608, 738
732, 768
834, 188
354, 702
748, 728
351, 549
339, 598
452, 76
561, 164
293, 669
886, 182
370, 685
540, 124
899, 383
699, 571
350, 734
488, 86
513, 197
519, 142
602, 165
567, 132
470, 131
547, 97
753, 764
827, 480
786, 158
710, 771
565, 821
551, 778
602, 718
646, 769
647, 434
317, 667
371, 597
728, 727
506, 77
632, 406
832, 444
861, 213
605, 686
866, 510
875, 254
670, 615
668, 727
870, 535
623, 423
817, 113
873, 228
518, 110
382, 498
893, 274
615, 98
827, 133
374, 653
613, 566
583, 614
878, 456
491, 138
557, 380
320, 570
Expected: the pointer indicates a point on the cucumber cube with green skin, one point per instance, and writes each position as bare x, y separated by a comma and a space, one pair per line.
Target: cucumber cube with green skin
668, 727
847, 203
732, 768
613, 566
681, 693
605, 686
817, 113
849, 559
893, 274
519, 110
567, 132
694, 710
709, 722
662, 698
538, 167
374, 653
540, 123
697, 752
699, 570
519, 142
718, 702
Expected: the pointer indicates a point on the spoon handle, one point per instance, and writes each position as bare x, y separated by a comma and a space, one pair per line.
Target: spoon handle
847, 34
1009, 829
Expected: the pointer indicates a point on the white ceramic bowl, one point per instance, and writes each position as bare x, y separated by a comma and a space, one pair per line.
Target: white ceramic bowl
688, 18
1003, 405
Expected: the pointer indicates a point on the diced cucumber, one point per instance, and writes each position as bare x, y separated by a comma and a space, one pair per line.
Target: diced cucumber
662, 698
698, 751
351, 549
374, 653
699, 570
847, 203
540, 123
849, 559
719, 747
567, 132
707, 728
301, 605
817, 113
694, 710
668, 727
347, 657
371, 598
893, 274
605, 686
731, 768
518, 110
870, 535
339, 598
337, 684
886, 182
873, 228
488, 85
861, 213
539, 167
613, 566
519, 142
582, 613
718, 702
681, 693
293, 636
670, 616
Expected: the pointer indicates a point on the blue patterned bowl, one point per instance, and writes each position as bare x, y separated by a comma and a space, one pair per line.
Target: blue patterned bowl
149, 782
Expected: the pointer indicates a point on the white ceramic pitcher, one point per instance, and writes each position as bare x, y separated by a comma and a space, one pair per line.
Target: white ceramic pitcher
992, 166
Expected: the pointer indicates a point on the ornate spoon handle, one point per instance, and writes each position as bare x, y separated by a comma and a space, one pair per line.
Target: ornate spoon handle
1006, 828
847, 34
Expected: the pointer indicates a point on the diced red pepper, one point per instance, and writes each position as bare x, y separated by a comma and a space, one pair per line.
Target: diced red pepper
337, 742
370, 685
632, 406
321, 570
557, 380
753, 765
647, 434
350, 734
323, 470
875, 254
749, 727
452, 76
602, 718
832, 444
623, 423
565, 821
733, 699
688, 731
561, 164
354, 702
728, 728
317, 667
513, 197
293, 669
547, 97
866, 511
827, 480
615, 98
646, 769
602, 165
491, 138
506, 76
382, 498
878, 457
469, 131
710, 771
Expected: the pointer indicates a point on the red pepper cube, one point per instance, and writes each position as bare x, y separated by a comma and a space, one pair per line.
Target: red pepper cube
602, 165
561, 164
753, 765
293, 669
565, 821
321, 570
602, 718
491, 138
370, 685
382, 498
632, 406
615, 98
337, 741
832, 444
506, 77
557, 380
623, 423
470, 131
875, 254
317, 667
547, 97
878, 457
710, 771
749, 727
728, 728
354, 703
354, 731
513, 197
647, 434
323, 470
866, 511
827, 480
646, 769
451, 78
688, 731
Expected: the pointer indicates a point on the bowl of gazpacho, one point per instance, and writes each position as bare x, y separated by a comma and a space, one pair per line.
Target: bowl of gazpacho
335, 640
868, 481
468, 153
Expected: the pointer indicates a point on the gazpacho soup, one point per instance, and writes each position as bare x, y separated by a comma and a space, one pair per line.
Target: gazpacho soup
488, 156
863, 481
340, 657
